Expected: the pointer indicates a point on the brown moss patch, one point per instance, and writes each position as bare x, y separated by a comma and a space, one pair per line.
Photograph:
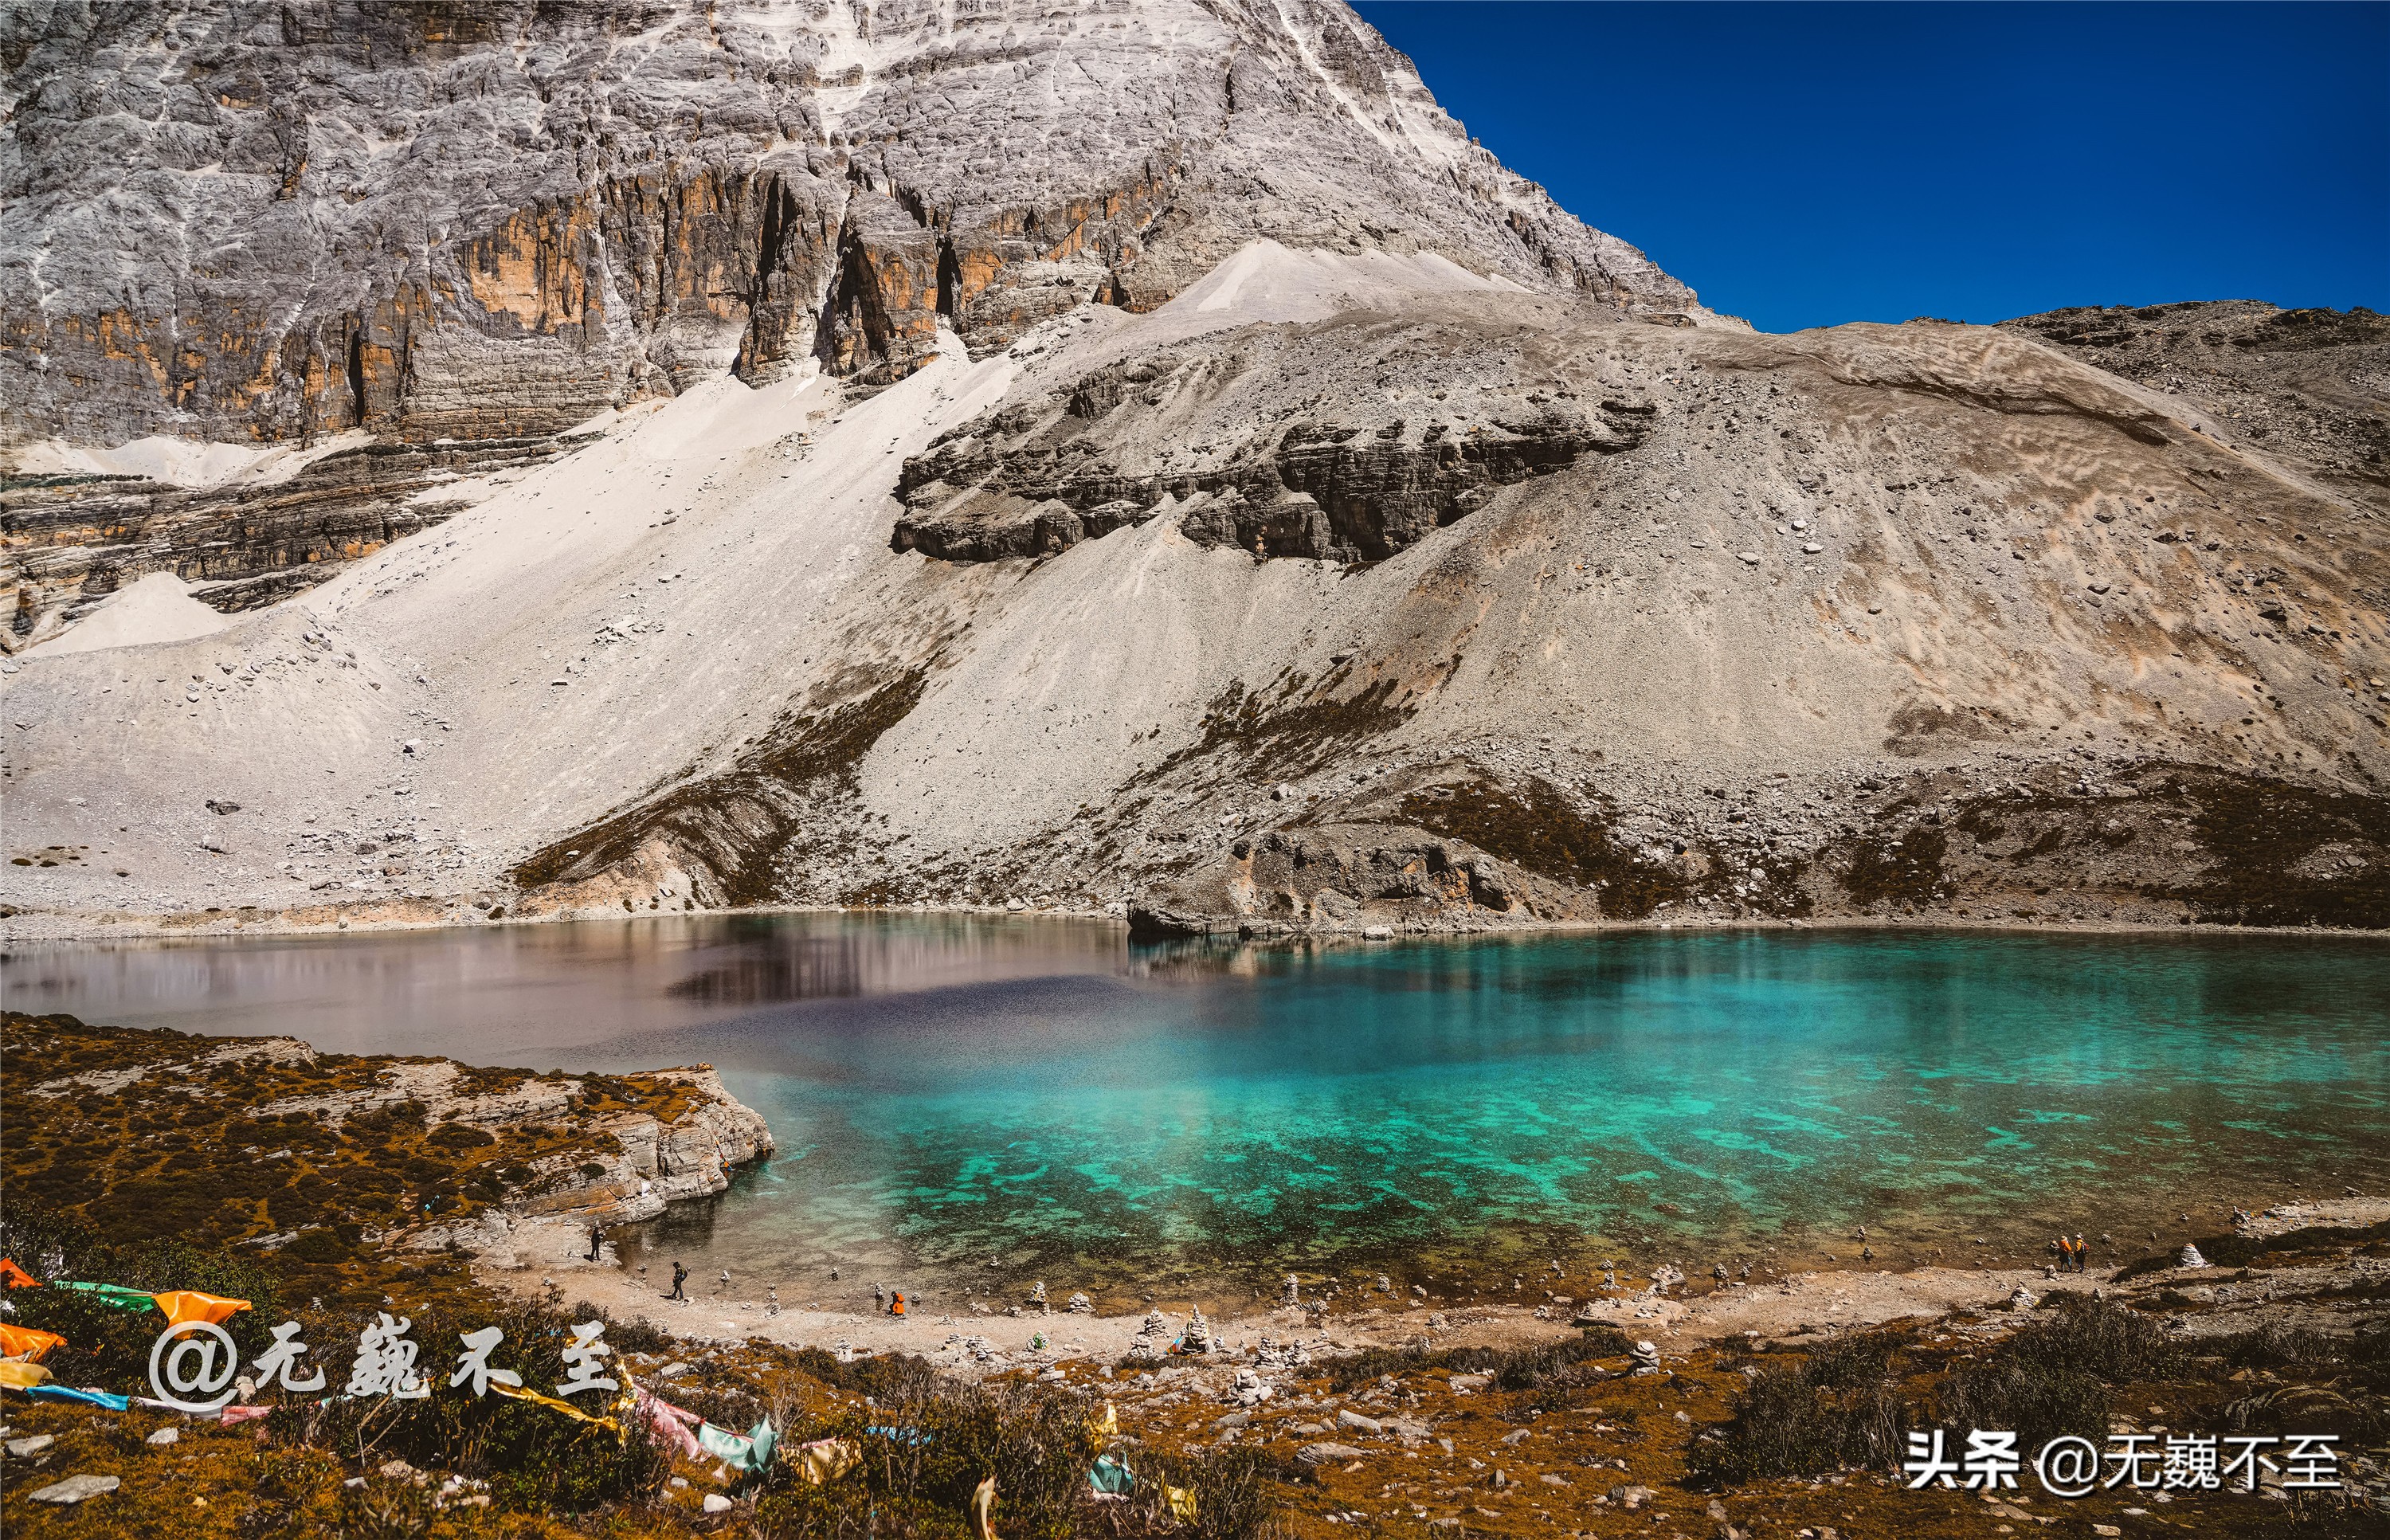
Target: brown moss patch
142, 1132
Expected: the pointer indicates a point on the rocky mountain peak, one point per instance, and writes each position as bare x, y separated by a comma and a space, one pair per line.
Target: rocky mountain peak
431, 222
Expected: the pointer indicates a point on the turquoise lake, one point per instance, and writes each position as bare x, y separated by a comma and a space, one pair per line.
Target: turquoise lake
946, 1090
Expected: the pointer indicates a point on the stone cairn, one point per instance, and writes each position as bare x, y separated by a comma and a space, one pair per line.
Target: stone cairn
1152, 1335
1198, 1337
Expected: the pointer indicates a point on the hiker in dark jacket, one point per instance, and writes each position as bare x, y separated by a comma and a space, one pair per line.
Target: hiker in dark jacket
680, 1276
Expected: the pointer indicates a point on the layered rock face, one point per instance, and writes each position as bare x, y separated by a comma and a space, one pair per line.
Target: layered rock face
68, 543
446, 221
1217, 438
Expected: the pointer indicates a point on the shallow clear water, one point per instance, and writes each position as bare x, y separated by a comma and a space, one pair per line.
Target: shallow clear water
945, 1091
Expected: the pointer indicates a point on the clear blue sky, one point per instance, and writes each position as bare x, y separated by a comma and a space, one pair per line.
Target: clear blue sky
1807, 164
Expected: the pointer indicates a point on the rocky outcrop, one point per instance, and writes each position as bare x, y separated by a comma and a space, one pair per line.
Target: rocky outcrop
455, 221
67, 542
2150, 843
1032, 480
1356, 877
617, 1165
276, 1145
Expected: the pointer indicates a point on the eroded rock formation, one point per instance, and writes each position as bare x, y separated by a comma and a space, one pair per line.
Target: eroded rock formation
69, 542
1222, 442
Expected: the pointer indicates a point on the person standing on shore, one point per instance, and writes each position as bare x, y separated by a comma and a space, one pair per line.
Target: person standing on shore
680, 1276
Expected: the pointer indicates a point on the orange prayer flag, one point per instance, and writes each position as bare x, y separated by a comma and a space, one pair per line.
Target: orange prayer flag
24, 1342
189, 1305
16, 1276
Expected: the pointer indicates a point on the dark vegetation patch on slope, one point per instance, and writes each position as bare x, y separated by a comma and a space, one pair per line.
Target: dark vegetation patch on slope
728, 829
1534, 827
2230, 848
1292, 732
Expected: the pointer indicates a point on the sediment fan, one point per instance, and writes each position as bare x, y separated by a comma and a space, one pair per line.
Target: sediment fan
1135, 458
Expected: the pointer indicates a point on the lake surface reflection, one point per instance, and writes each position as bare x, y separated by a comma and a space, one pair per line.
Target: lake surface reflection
948, 1091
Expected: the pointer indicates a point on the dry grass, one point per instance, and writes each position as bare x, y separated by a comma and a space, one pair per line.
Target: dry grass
1838, 1408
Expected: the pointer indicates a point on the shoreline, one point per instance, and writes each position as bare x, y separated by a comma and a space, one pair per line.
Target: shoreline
76, 925
1808, 1303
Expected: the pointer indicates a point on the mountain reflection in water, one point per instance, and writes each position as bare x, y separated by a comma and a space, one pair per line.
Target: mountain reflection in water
520, 994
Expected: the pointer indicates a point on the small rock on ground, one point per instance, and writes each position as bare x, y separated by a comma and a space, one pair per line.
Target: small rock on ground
75, 1489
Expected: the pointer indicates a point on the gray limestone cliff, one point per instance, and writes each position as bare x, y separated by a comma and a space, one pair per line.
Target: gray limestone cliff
270, 221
